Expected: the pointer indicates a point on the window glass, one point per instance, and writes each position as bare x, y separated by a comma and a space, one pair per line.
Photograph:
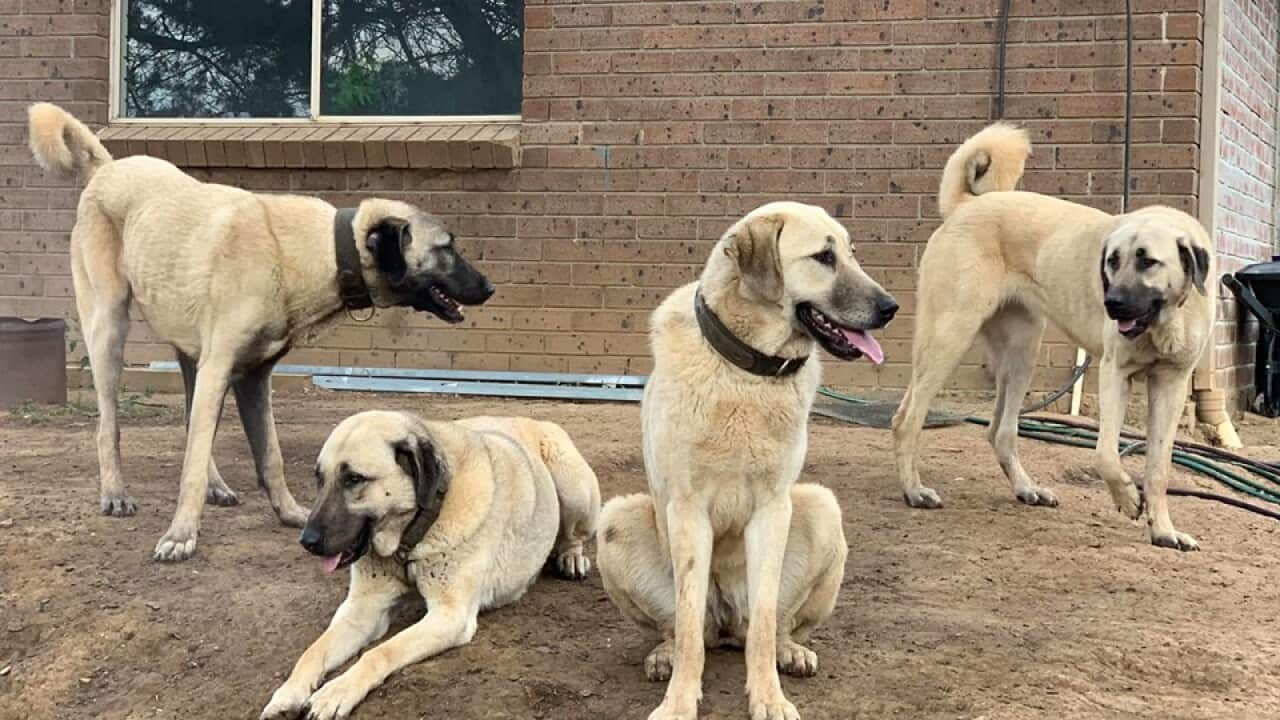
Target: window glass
224, 59
429, 57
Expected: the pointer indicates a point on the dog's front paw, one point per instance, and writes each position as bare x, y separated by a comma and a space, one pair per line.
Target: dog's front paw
335, 700
1128, 500
774, 708
176, 545
1175, 540
287, 703
669, 710
117, 505
923, 497
573, 564
1036, 496
796, 660
292, 515
221, 495
657, 664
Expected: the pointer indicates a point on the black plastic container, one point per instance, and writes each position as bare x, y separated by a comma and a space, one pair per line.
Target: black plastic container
1257, 287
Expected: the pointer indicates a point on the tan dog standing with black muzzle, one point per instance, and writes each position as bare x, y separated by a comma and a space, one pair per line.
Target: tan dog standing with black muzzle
727, 547
231, 279
1130, 289
467, 513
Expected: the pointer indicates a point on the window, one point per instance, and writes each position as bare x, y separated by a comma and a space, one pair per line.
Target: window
248, 59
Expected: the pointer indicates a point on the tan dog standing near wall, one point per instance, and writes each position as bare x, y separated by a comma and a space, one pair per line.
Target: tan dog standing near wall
230, 279
727, 547
1130, 289
466, 513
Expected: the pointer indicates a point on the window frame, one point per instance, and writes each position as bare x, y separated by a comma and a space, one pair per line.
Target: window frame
115, 90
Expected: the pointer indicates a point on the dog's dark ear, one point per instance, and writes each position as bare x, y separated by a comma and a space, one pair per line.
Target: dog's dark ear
417, 457
387, 241
1102, 270
754, 246
1195, 263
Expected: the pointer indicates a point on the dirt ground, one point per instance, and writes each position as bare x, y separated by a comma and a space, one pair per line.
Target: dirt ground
985, 609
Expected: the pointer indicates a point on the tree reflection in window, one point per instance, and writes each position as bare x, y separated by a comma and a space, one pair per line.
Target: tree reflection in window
252, 58
230, 58
441, 57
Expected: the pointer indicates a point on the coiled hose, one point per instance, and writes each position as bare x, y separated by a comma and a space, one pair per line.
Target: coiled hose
1214, 463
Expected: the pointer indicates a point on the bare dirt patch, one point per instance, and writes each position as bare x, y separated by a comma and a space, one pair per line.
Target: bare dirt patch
984, 609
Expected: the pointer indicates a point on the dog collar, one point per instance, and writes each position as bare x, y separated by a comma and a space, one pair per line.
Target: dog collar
423, 518
351, 287
732, 348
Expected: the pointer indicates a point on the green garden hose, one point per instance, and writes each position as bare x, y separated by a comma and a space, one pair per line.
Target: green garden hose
1192, 456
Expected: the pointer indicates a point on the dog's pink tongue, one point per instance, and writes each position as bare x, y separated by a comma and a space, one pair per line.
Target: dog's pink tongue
866, 344
331, 563
1126, 325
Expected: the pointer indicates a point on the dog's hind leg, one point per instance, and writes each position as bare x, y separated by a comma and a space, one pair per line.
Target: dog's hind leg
635, 570
814, 570
1013, 336
219, 493
102, 300
179, 541
253, 398
940, 343
579, 494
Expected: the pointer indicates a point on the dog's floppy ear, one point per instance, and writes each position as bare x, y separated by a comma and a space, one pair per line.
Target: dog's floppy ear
387, 241
417, 457
1195, 262
1102, 269
754, 245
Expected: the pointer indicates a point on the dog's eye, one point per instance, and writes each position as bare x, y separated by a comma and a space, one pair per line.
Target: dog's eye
1113, 261
1146, 263
353, 479
826, 257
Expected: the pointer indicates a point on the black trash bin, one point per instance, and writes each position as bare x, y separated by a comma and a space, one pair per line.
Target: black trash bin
1257, 287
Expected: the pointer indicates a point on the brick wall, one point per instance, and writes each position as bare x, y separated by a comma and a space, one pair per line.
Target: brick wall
1247, 147
650, 126
53, 51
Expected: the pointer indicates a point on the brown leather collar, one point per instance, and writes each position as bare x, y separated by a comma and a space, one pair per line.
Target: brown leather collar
732, 348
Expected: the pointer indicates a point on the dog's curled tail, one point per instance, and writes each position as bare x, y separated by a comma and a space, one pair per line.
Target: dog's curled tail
63, 144
991, 160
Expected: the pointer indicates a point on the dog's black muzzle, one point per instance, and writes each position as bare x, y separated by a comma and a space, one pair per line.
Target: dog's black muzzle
1133, 309
444, 293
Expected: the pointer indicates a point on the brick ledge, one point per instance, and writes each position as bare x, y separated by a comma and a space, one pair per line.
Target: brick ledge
458, 146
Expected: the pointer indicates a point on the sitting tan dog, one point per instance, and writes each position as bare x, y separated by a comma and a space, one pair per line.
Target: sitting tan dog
467, 513
231, 279
1130, 289
726, 547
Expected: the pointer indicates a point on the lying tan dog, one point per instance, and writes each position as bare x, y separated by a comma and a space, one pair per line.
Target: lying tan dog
727, 546
466, 513
1129, 288
231, 280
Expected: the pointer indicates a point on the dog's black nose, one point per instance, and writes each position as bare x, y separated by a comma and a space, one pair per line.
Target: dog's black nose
887, 307
312, 540
1115, 306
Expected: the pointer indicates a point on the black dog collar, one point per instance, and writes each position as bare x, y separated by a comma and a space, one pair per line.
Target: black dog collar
423, 518
733, 349
351, 287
